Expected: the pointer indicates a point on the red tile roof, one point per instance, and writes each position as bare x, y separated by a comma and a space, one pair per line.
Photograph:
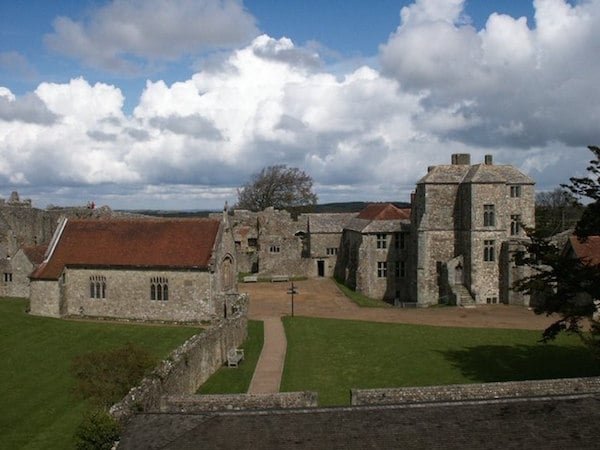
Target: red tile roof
384, 211
588, 250
177, 243
35, 254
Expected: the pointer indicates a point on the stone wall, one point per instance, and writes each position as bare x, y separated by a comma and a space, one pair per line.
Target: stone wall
463, 392
186, 404
190, 365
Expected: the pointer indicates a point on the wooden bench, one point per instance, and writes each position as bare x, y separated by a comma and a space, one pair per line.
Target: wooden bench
234, 356
276, 278
251, 279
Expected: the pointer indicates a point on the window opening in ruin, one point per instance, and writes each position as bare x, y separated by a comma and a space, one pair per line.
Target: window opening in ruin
381, 269
159, 289
515, 191
97, 287
489, 213
274, 249
332, 251
252, 242
488, 250
8, 277
491, 300
381, 240
400, 240
515, 224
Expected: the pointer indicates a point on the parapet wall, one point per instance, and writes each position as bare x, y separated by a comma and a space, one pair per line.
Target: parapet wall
186, 404
485, 391
187, 367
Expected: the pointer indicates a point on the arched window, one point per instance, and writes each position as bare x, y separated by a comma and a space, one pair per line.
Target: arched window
97, 287
227, 273
159, 289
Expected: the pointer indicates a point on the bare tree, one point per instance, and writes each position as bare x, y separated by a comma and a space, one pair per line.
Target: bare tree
556, 211
278, 186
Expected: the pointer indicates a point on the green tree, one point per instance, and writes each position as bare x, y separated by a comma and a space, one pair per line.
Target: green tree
278, 186
564, 285
556, 211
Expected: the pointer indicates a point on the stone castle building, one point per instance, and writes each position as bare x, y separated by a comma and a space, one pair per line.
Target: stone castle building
456, 244
180, 270
467, 224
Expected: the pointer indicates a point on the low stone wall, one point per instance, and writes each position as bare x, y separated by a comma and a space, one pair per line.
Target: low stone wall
485, 391
190, 365
235, 402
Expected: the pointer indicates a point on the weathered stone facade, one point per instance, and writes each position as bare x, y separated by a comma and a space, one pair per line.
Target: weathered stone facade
162, 270
467, 223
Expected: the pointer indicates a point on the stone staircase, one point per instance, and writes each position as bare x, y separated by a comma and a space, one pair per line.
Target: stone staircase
463, 296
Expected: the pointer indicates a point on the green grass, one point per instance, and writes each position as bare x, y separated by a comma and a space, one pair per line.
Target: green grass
38, 407
230, 380
332, 356
360, 299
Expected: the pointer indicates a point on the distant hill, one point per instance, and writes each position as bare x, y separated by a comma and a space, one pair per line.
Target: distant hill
344, 207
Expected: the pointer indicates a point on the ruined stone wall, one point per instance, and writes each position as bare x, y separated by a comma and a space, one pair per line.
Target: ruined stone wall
186, 368
191, 295
458, 392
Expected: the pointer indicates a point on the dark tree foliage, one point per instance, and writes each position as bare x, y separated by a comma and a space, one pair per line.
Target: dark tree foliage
556, 211
562, 284
278, 186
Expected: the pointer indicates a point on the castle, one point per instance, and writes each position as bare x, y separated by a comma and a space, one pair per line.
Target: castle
459, 242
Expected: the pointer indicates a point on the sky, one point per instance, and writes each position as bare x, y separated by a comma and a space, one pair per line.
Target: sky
175, 104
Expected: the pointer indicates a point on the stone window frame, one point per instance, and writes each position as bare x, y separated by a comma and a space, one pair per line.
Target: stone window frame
8, 277
400, 241
515, 191
489, 215
489, 250
381, 240
159, 289
400, 269
515, 224
381, 269
491, 300
331, 251
97, 287
274, 249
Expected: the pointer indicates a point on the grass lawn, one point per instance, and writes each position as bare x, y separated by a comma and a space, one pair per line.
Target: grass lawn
231, 380
360, 299
38, 408
332, 356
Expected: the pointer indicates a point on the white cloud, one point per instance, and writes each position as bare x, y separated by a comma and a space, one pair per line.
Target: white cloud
523, 92
124, 35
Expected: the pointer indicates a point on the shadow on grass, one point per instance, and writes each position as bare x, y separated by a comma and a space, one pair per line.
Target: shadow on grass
488, 363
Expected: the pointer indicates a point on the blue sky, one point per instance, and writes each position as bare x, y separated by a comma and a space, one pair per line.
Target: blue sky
174, 104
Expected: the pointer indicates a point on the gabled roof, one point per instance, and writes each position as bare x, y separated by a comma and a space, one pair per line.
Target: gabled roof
384, 211
329, 222
35, 254
380, 217
161, 243
587, 250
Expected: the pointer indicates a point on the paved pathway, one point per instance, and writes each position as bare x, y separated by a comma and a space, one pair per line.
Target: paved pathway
267, 375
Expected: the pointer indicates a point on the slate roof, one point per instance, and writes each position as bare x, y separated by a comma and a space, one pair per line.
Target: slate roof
587, 250
567, 422
329, 222
477, 173
161, 243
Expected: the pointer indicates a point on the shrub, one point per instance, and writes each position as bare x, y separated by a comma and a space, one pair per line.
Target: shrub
105, 376
97, 431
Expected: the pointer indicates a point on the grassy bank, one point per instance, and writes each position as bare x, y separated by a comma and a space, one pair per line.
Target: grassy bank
39, 410
332, 356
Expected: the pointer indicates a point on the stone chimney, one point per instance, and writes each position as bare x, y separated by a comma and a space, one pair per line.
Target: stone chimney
461, 159
489, 160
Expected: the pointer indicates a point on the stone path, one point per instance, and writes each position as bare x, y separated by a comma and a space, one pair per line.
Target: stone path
267, 375
322, 298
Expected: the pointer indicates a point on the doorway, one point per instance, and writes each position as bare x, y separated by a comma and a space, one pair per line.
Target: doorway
321, 268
